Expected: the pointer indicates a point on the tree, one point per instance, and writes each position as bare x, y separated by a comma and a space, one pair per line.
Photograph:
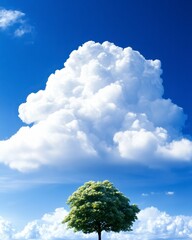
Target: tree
99, 206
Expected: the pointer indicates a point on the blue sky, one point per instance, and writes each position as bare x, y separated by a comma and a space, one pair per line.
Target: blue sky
95, 121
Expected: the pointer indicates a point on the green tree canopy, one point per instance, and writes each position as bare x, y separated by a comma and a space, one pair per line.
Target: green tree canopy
99, 206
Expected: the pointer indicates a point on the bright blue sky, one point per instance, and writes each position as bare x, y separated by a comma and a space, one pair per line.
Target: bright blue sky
51, 31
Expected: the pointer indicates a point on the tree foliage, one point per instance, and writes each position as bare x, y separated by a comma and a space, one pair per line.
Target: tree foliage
99, 206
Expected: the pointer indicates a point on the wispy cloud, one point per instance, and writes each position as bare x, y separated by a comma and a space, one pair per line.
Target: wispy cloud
106, 103
145, 194
16, 19
9, 17
22, 30
169, 193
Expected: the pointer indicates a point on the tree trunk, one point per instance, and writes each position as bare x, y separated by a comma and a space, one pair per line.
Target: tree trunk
99, 235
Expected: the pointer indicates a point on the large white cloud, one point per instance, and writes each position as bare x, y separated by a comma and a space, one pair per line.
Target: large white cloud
152, 224
107, 102
49, 227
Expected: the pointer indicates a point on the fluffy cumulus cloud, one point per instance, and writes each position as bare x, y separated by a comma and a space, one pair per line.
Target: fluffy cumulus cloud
10, 18
48, 227
106, 103
6, 229
152, 224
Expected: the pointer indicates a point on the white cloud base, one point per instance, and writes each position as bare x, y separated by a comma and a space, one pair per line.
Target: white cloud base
152, 224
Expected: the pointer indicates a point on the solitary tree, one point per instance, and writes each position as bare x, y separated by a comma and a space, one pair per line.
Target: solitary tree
99, 206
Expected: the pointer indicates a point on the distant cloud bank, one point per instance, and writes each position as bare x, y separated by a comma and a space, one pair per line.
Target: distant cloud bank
157, 193
9, 18
106, 104
152, 224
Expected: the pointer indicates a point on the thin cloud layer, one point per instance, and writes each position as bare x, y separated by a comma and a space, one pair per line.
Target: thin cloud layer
152, 224
106, 103
9, 18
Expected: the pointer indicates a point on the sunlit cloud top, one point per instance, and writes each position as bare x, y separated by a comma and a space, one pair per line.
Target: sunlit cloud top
106, 103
